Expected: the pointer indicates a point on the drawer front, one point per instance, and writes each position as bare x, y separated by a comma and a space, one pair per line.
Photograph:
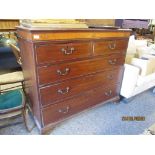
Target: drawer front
66, 108
61, 52
57, 73
69, 88
110, 46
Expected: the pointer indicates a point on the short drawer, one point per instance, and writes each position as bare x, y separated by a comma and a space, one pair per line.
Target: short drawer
57, 73
110, 46
69, 88
88, 99
48, 53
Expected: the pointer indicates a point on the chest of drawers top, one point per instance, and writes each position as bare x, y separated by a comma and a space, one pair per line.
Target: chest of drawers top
46, 34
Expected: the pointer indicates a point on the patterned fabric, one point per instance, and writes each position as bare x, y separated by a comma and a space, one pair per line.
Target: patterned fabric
11, 99
135, 24
11, 77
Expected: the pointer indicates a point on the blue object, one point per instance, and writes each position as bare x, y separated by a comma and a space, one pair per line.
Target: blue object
11, 99
7, 58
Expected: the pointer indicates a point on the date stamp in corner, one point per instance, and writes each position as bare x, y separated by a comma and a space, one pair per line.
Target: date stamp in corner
133, 118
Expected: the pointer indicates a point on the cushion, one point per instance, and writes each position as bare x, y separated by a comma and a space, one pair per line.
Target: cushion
145, 50
131, 45
11, 77
142, 80
11, 99
128, 58
141, 43
152, 61
143, 64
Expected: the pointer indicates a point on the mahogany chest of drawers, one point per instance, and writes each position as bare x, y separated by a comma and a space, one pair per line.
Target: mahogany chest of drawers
69, 70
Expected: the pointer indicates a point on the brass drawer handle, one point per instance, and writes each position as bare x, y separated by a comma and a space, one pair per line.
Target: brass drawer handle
63, 91
64, 110
72, 49
68, 52
65, 72
112, 62
112, 45
109, 93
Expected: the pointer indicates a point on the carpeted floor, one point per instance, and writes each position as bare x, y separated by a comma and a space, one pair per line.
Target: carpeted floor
103, 120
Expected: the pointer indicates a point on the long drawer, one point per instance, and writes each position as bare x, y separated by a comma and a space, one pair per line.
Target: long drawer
110, 46
57, 73
48, 53
69, 88
90, 98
